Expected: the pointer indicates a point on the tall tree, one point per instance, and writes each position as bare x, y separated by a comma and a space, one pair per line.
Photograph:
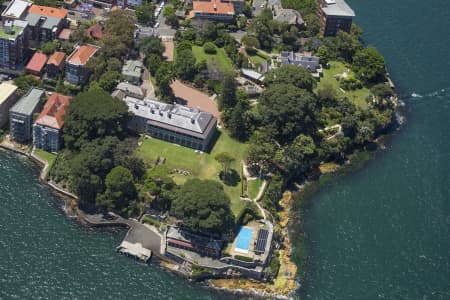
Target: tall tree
145, 12
120, 189
227, 97
185, 64
225, 159
369, 65
151, 45
291, 74
203, 205
91, 115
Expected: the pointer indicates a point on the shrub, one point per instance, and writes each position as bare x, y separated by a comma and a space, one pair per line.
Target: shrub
209, 48
151, 221
350, 83
243, 258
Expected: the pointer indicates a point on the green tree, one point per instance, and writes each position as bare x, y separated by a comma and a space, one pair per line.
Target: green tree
161, 186
169, 14
312, 24
291, 74
369, 65
120, 190
209, 48
347, 45
25, 83
250, 42
151, 45
145, 12
227, 97
203, 206
323, 54
91, 115
382, 91
114, 64
326, 92
153, 61
50, 47
261, 150
185, 64
109, 80
238, 119
289, 110
225, 159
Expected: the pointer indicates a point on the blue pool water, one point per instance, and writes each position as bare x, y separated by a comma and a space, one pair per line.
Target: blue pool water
243, 239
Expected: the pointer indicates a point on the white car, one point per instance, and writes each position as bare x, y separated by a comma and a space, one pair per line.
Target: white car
156, 25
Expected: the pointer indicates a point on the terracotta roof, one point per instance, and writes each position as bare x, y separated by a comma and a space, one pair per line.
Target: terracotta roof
212, 7
53, 111
37, 62
81, 55
56, 58
48, 11
95, 31
65, 34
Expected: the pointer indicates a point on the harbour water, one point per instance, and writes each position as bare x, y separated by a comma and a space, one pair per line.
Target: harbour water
384, 231
380, 233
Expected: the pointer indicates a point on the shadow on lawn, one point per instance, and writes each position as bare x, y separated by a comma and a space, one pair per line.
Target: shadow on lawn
231, 179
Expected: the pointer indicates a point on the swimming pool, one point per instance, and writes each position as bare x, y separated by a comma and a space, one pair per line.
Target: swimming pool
243, 240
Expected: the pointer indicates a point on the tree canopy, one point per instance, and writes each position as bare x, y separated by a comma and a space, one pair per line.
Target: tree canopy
369, 64
120, 189
91, 115
291, 74
203, 205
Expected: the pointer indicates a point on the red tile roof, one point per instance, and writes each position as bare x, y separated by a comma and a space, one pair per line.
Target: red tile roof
212, 7
37, 62
95, 31
48, 11
56, 58
81, 55
53, 111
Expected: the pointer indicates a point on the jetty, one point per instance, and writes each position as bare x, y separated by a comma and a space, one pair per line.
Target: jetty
135, 250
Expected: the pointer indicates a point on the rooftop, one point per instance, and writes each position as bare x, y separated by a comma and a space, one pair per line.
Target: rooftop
82, 54
132, 68
289, 16
16, 9
252, 74
212, 7
6, 89
337, 8
27, 103
65, 34
56, 58
53, 111
37, 62
130, 88
174, 116
48, 11
192, 240
17, 28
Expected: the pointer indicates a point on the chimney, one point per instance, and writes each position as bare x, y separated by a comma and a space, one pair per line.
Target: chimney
215, 7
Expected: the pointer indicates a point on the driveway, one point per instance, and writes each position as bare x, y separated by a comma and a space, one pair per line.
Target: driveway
194, 98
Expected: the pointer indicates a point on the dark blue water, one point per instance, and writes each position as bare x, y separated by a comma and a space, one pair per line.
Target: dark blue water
384, 232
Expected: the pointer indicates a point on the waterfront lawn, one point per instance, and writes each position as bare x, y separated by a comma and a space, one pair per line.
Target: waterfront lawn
358, 97
220, 58
47, 156
253, 187
201, 165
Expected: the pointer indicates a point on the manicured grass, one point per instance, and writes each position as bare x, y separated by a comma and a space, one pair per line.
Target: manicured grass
202, 165
253, 187
256, 59
358, 97
47, 156
221, 58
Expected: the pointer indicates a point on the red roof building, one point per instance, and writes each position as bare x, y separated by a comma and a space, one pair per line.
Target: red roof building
36, 64
81, 55
65, 34
76, 71
95, 31
55, 63
48, 11
213, 10
54, 109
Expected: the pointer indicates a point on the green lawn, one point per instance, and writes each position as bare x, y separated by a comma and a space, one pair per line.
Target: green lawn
202, 165
358, 97
220, 58
256, 59
47, 156
253, 187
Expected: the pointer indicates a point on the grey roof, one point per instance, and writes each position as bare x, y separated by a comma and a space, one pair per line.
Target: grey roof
252, 74
337, 8
176, 116
16, 8
289, 16
51, 22
190, 237
132, 68
309, 62
32, 19
130, 89
27, 103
